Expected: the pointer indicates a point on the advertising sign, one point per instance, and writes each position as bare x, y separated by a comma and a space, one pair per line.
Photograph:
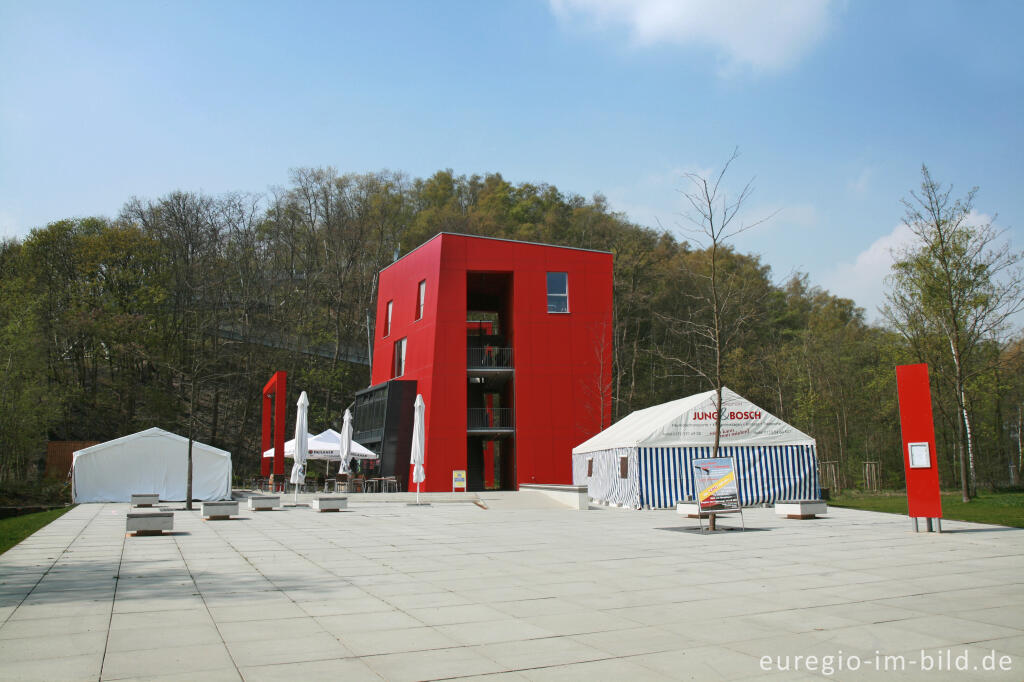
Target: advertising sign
715, 481
458, 479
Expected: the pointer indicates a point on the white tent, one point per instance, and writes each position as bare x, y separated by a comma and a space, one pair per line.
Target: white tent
151, 461
326, 445
654, 447
329, 443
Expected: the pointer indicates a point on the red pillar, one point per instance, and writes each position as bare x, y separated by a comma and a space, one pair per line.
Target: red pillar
274, 430
918, 428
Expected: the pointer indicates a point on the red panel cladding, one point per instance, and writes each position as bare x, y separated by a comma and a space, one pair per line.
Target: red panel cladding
916, 421
560, 360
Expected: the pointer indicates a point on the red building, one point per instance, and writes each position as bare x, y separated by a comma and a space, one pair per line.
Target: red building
510, 345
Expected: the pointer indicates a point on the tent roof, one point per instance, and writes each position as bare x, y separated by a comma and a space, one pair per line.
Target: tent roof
333, 438
322, 446
690, 422
149, 433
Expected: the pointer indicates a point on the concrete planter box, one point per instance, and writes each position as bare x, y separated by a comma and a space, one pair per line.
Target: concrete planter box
806, 509
264, 502
689, 510
145, 499
149, 523
220, 509
573, 496
332, 503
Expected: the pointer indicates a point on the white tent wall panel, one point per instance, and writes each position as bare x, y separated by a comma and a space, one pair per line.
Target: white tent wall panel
606, 483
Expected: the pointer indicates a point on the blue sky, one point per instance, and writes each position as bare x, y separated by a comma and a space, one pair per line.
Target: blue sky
834, 106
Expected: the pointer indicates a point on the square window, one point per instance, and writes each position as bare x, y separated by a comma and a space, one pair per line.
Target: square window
398, 363
623, 467
387, 319
421, 296
558, 292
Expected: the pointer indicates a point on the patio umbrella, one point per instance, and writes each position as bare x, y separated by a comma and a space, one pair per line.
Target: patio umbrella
301, 444
418, 444
346, 442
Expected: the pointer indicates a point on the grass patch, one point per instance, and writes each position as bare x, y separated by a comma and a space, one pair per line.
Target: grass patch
16, 528
1003, 509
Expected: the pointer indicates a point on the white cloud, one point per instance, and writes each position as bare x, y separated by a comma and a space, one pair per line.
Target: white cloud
744, 33
859, 185
9, 227
863, 280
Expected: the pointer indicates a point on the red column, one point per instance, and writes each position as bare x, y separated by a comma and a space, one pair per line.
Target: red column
274, 430
918, 428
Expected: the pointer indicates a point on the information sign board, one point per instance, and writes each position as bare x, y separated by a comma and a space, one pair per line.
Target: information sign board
715, 481
458, 479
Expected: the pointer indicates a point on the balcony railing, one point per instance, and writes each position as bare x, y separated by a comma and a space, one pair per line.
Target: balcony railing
489, 357
486, 419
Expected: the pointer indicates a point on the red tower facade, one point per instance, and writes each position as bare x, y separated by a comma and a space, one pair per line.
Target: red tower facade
510, 345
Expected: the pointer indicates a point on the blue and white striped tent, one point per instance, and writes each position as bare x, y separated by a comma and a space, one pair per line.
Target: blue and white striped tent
644, 460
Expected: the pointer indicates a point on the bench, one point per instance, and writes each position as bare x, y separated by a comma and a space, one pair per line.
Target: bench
145, 499
149, 523
573, 496
264, 502
330, 503
221, 509
690, 510
801, 509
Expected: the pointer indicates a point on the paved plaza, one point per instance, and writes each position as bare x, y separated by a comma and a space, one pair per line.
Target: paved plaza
520, 590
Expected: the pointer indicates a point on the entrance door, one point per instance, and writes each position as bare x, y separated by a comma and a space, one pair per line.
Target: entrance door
490, 464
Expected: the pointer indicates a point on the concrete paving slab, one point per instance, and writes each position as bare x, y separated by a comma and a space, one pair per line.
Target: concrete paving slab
435, 664
491, 632
531, 653
221, 675
348, 669
608, 670
68, 668
403, 640
158, 636
314, 646
180, 659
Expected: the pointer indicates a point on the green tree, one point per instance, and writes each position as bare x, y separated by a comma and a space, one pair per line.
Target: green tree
957, 282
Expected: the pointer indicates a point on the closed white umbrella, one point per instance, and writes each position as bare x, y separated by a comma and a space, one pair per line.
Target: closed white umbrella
301, 444
346, 442
417, 455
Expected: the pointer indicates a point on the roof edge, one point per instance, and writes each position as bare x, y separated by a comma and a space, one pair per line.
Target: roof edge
495, 239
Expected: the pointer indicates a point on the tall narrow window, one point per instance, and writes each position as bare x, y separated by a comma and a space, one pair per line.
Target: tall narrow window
387, 319
398, 365
558, 292
421, 296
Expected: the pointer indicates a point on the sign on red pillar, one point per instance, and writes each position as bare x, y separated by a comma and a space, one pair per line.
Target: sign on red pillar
919, 461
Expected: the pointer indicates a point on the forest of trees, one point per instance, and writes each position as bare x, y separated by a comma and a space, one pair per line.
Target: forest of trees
176, 312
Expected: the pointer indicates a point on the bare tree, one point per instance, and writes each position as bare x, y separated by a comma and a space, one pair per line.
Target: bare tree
723, 295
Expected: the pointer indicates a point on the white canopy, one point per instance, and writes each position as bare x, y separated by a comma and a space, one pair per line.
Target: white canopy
326, 445
690, 422
151, 461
